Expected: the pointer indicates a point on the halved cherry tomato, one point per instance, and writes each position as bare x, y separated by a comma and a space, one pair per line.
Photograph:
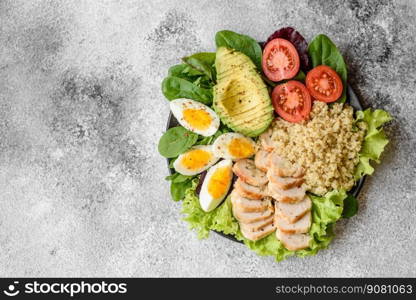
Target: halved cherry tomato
291, 101
324, 84
280, 60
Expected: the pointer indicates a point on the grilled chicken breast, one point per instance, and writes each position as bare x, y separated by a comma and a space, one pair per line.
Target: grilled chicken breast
301, 226
266, 140
250, 191
284, 183
283, 168
293, 212
261, 160
248, 205
293, 242
255, 235
247, 172
293, 195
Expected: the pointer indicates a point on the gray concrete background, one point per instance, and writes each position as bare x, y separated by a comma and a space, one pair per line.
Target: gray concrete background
81, 183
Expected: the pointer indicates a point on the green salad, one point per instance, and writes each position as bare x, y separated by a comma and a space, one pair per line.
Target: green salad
225, 100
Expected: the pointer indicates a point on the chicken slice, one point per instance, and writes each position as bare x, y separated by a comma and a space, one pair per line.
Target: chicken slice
283, 168
247, 171
252, 217
301, 226
256, 235
250, 191
293, 212
248, 205
261, 160
284, 183
293, 195
293, 242
266, 140
256, 226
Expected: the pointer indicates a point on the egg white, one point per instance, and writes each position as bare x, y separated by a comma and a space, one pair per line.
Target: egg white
182, 169
221, 144
206, 200
177, 107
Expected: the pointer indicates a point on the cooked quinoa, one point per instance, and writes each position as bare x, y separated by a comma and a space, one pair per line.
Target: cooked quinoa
326, 146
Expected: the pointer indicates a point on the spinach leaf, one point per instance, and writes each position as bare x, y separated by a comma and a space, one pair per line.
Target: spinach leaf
350, 207
184, 71
178, 178
300, 76
324, 52
177, 190
176, 87
175, 141
202, 62
240, 42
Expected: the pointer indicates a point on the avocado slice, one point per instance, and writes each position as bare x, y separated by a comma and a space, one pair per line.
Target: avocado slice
241, 98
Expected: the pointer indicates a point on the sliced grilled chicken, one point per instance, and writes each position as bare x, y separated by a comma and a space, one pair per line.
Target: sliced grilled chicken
261, 160
248, 205
266, 140
301, 226
293, 212
247, 171
293, 195
283, 168
293, 242
284, 183
252, 217
258, 234
250, 191
259, 224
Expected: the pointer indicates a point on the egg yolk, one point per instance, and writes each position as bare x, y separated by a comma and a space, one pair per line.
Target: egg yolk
197, 118
196, 159
240, 148
219, 182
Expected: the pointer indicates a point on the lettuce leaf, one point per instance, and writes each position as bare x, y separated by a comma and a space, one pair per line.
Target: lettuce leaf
374, 141
220, 219
326, 211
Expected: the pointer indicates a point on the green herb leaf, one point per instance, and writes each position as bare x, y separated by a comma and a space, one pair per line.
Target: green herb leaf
323, 51
240, 42
300, 76
203, 62
176, 141
175, 87
350, 207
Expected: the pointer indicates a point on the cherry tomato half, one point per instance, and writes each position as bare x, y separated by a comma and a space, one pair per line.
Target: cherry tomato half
280, 60
291, 101
324, 84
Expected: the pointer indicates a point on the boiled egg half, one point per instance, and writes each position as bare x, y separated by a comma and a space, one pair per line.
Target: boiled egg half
194, 161
234, 146
216, 184
195, 116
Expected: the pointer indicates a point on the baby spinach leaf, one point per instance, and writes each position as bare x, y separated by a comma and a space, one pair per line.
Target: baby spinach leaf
350, 207
202, 62
176, 87
240, 42
184, 71
175, 141
177, 189
324, 52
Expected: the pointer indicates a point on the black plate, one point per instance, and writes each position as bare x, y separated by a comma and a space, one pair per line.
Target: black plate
352, 99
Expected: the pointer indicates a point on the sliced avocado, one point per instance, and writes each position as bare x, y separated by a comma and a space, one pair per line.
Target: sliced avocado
241, 98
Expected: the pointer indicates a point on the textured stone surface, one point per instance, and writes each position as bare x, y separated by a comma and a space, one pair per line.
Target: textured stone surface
81, 183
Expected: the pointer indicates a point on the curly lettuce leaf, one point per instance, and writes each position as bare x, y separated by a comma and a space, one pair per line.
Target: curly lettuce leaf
374, 142
220, 219
326, 211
